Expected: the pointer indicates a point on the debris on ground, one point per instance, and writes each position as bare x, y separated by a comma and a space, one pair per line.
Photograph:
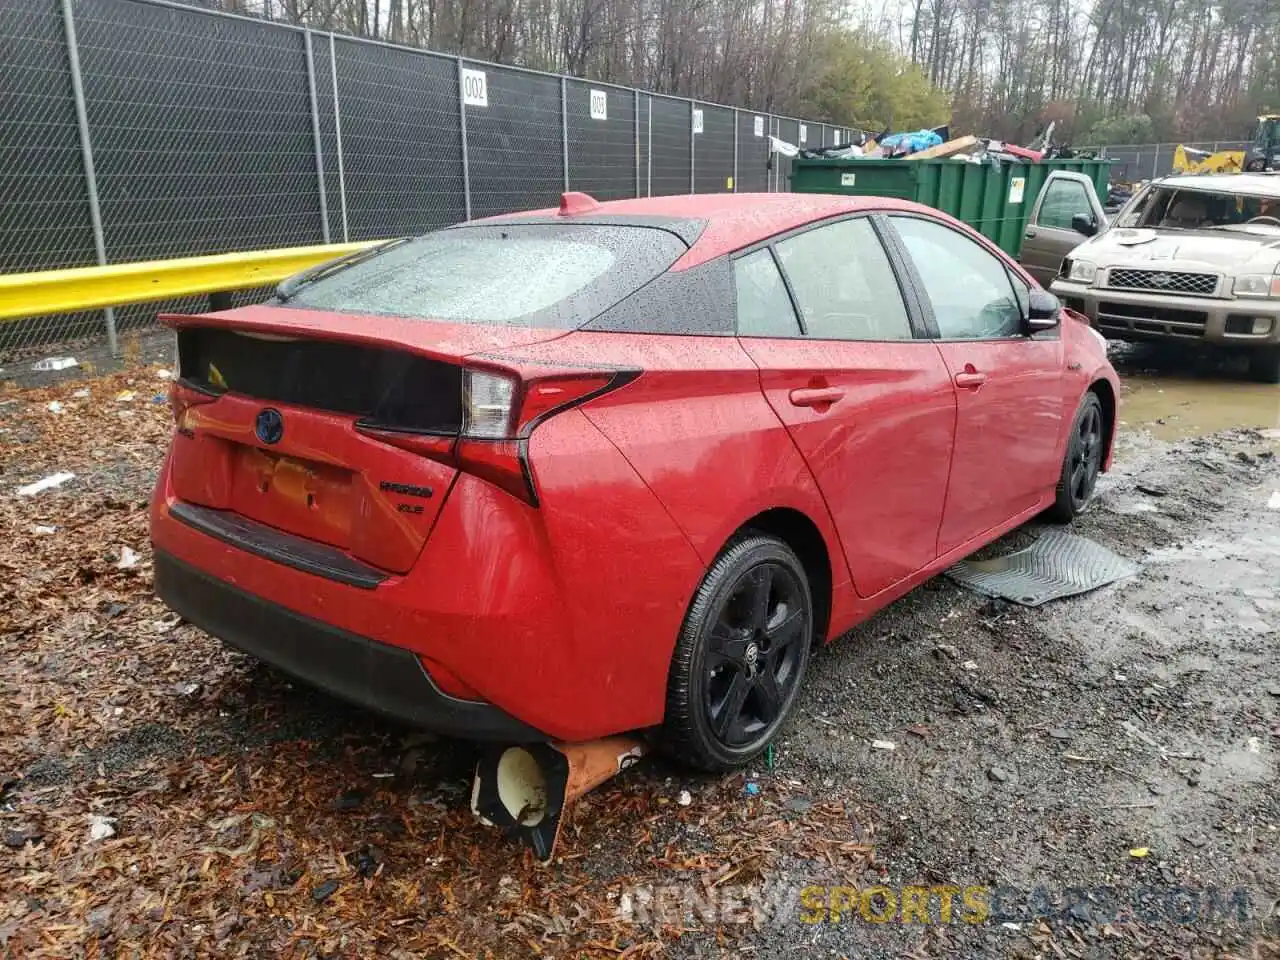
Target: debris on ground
101, 828
54, 363
48, 483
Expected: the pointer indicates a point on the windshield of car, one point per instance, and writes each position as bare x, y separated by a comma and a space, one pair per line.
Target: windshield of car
535, 275
1170, 208
1131, 209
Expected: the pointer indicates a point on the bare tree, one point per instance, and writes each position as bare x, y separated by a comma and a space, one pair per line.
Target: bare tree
1191, 68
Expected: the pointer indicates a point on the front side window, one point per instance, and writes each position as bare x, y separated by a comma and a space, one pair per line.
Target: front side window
968, 287
843, 283
1063, 200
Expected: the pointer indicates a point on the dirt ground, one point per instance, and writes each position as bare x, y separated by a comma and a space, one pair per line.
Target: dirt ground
1095, 777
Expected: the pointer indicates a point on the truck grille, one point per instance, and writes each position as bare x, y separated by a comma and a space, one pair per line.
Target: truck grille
1154, 321
1194, 284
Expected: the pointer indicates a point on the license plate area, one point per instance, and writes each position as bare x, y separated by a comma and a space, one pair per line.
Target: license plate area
312, 499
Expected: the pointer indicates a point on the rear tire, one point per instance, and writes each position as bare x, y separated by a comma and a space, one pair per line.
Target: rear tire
1264, 365
1081, 465
740, 657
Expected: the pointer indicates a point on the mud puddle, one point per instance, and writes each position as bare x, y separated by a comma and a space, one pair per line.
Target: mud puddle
1176, 408
1177, 393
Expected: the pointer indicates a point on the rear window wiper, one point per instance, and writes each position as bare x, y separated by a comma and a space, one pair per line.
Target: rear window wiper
290, 286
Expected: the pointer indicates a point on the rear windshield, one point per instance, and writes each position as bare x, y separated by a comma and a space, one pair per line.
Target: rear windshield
537, 275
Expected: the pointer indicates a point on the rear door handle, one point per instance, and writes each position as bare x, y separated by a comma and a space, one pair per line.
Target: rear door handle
970, 378
815, 396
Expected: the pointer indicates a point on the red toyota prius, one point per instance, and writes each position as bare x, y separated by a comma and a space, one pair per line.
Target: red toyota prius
620, 466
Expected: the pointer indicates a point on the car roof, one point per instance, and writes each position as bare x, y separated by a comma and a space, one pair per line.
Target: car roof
732, 221
1252, 184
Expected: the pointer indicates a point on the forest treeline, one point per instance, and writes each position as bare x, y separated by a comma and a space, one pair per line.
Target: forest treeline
1114, 71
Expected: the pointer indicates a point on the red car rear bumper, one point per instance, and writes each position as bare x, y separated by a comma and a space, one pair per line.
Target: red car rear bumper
515, 622
388, 679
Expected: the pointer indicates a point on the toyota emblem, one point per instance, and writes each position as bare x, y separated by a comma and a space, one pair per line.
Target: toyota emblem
269, 426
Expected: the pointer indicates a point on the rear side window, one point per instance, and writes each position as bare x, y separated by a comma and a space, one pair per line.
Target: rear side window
764, 307
844, 285
538, 275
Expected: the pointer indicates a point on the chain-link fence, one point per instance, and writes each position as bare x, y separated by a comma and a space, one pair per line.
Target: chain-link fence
1145, 161
144, 129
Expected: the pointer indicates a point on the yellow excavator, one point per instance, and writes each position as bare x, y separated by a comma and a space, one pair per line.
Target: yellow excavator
1263, 155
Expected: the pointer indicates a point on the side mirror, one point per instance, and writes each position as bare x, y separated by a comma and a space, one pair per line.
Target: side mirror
1044, 311
1084, 223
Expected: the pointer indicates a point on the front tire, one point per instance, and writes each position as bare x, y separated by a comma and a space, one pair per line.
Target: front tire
740, 657
1083, 462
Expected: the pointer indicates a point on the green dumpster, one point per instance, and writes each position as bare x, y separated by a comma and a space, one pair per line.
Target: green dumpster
995, 200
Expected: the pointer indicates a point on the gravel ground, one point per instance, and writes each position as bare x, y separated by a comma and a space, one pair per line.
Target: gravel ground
1094, 766
1039, 748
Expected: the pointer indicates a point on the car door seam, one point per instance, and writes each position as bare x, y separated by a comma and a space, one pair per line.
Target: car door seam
951, 453
831, 520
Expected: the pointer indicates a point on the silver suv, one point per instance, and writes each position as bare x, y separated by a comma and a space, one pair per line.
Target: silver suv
1192, 258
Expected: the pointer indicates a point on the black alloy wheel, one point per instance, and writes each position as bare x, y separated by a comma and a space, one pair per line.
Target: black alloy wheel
1083, 460
741, 655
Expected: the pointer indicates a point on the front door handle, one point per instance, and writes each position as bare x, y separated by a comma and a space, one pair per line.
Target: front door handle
815, 396
971, 379
1030, 234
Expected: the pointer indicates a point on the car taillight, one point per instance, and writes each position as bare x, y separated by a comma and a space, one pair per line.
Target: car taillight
182, 398
500, 409
488, 404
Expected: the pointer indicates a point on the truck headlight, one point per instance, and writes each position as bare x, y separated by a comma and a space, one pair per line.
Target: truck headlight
1082, 271
1256, 285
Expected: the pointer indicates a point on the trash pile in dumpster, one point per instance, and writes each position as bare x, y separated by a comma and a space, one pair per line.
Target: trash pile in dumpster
935, 144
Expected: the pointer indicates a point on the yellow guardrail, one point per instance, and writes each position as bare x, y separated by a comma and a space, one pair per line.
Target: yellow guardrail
92, 288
